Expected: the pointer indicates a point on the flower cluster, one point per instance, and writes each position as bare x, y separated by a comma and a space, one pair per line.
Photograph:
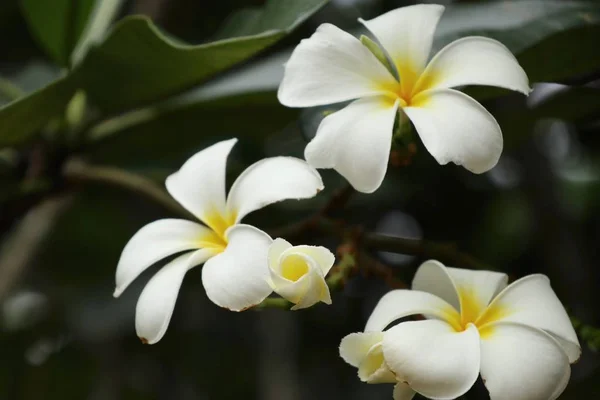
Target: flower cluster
517, 337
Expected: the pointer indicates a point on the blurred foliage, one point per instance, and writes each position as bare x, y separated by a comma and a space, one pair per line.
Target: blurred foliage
89, 80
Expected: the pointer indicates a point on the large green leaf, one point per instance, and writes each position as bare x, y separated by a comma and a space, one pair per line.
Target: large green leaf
163, 137
275, 15
24, 117
57, 24
137, 64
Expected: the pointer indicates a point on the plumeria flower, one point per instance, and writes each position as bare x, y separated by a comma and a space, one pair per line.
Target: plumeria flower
333, 66
298, 273
518, 337
235, 273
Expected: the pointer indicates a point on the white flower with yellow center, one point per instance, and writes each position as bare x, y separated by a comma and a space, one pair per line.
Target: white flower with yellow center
333, 66
298, 273
519, 338
236, 272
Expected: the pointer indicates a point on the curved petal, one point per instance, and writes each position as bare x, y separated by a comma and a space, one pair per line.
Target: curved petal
272, 180
403, 392
468, 291
356, 142
298, 278
322, 256
475, 60
522, 363
432, 358
157, 301
531, 301
363, 351
236, 279
152, 243
330, 67
199, 185
402, 303
407, 34
456, 128
278, 246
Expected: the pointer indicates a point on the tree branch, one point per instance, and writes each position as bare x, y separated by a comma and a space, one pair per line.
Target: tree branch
76, 171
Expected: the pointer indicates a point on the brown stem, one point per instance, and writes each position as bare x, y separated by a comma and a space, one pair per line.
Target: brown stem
76, 171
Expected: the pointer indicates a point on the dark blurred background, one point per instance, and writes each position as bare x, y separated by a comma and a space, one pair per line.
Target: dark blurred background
63, 336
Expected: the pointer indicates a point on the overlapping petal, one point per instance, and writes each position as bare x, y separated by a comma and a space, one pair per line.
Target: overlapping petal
475, 60
403, 392
531, 301
272, 180
157, 301
434, 359
297, 276
152, 243
403, 303
236, 279
364, 351
407, 34
199, 185
356, 142
330, 67
456, 128
458, 286
523, 363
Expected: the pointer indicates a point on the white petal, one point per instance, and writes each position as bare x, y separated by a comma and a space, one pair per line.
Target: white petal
476, 61
322, 256
330, 67
302, 283
406, 33
199, 185
467, 290
456, 128
154, 242
356, 142
278, 246
432, 358
522, 363
402, 303
403, 392
272, 180
157, 301
236, 279
363, 351
531, 301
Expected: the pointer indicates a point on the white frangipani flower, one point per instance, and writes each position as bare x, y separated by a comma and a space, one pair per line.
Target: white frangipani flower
236, 271
333, 66
518, 337
298, 273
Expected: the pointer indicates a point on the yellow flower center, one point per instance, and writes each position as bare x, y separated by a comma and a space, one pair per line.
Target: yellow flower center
218, 223
474, 311
409, 90
293, 267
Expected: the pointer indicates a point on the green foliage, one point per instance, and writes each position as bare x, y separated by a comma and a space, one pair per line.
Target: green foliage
589, 334
137, 64
25, 117
57, 24
278, 15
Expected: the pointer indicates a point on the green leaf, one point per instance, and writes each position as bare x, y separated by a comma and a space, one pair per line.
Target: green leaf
164, 137
572, 104
57, 24
564, 34
24, 117
275, 15
137, 64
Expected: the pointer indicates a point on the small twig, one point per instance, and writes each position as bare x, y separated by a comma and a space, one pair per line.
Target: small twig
443, 252
25, 240
76, 171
